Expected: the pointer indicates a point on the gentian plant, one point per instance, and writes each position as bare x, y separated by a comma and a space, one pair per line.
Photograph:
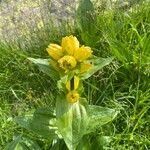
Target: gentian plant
73, 118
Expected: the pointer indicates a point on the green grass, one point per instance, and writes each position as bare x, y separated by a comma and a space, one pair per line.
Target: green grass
125, 84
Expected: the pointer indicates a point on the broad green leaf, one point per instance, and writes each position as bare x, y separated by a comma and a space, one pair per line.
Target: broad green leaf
59, 144
22, 143
98, 63
99, 116
62, 82
30, 144
72, 121
42, 122
94, 142
24, 121
84, 143
101, 142
45, 66
13, 144
86, 22
84, 15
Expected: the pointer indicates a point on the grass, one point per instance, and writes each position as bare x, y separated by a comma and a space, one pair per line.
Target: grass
125, 84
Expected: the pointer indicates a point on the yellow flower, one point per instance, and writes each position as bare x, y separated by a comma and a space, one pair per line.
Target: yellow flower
82, 53
72, 84
67, 62
55, 51
69, 54
73, 96
70, 44
85, 67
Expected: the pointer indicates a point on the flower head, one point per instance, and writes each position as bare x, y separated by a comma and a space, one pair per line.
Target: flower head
67, 62
69, 55
55, 51
83, 53
73, 96
70, 44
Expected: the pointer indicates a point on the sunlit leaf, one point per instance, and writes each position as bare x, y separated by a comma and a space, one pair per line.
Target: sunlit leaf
98, 63
22, 143
72, 121
84, 143
99, 116
42, 122
101, 142
46, 67
59, 145
13, 144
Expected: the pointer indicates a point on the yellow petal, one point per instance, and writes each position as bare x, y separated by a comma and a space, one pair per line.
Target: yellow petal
55, 51
84, 67
73, 96
70, 44
67, 62
73, 83
83, 53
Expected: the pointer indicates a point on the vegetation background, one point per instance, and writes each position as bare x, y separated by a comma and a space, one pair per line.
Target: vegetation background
111, 28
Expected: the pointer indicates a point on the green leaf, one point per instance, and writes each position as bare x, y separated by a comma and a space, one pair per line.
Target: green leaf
84, 143
72, 121
62, 82
84, 15
86, 22
46, 67
13, 144
91, 142
22, 143
24, 121
42, 122
101, 142
59, 145
99, 116
98, 63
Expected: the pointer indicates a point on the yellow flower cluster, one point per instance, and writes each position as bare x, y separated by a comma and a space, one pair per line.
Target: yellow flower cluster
70, 54
67, 57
